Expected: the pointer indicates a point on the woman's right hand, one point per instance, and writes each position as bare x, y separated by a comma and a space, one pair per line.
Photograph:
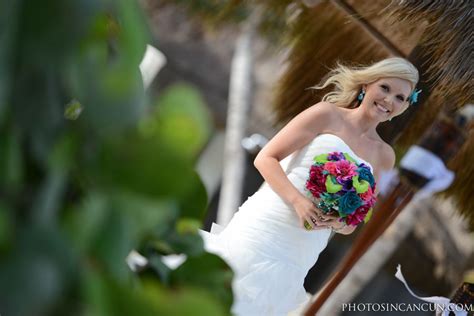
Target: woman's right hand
308, 212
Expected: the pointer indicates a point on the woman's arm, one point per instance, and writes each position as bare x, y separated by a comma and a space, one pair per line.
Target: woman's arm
295, 135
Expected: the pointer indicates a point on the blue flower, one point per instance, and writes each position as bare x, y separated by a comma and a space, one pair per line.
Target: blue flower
348, 203
366, 174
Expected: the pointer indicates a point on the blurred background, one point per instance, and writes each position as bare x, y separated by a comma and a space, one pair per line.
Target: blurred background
126, 126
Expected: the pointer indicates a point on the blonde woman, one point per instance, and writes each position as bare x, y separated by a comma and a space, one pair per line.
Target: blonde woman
278, 233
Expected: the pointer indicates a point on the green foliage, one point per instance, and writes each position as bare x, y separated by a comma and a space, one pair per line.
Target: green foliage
89, 171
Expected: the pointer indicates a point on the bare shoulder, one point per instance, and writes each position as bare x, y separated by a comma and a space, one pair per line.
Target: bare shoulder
387, 156
323, 112
299, 131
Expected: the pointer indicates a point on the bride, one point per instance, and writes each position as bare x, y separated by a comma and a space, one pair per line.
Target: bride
267, 243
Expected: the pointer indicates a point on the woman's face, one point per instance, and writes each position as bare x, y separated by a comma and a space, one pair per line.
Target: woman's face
387, 97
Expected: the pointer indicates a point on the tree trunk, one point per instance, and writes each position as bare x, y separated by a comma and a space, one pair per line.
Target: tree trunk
240, 93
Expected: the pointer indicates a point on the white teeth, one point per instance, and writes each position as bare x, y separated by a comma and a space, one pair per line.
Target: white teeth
381, 108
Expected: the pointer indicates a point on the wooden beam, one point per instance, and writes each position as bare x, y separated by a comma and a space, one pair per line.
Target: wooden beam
373, 32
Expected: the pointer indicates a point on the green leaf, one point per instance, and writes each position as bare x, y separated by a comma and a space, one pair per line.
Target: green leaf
348, 157
368, 216
187, 243
145, 216
84, 222
206, 271
106, 297
73, 110
11, 162
188, 225
193, 202
321, 158
143, 166
161, 269
38, 269
6, 225
182, 121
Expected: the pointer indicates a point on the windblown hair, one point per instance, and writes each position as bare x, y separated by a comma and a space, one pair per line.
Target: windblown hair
348, 81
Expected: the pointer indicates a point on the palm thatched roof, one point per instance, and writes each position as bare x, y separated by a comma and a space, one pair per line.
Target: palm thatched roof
315, 34
447, 41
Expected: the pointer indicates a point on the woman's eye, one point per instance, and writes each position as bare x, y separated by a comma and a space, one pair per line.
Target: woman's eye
384, 87
400, 98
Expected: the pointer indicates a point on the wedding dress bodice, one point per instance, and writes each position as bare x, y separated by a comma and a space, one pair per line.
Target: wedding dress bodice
323, 143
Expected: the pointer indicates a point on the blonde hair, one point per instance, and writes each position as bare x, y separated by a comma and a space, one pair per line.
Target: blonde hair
348, 81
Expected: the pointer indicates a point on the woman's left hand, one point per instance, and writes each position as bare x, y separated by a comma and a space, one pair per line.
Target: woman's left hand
332, 222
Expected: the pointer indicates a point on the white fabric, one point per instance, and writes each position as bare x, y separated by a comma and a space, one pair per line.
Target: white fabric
441, 301
265, 245
430, 166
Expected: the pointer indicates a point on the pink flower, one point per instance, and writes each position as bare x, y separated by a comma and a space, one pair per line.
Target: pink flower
316, 182
331, 167
342, 169
358, 216
368, 197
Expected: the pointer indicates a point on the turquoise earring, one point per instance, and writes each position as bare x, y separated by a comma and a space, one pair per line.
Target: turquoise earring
361, 95
413, 98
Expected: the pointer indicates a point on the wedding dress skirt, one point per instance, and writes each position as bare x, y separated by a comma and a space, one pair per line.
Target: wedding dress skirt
266, 246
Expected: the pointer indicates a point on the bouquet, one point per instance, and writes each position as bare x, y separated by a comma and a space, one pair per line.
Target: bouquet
340, 186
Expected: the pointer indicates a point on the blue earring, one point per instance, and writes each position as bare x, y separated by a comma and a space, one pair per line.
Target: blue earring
361, 95
413, 98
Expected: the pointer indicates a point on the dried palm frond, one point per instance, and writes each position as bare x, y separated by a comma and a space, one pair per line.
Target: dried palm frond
321, 36
447, 42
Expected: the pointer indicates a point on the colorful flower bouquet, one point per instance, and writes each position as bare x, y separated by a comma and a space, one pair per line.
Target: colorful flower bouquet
340, 186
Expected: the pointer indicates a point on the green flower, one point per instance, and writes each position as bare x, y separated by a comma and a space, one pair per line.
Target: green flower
332, 186
361, 186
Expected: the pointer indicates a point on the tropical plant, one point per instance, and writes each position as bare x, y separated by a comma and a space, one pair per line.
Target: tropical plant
89, 170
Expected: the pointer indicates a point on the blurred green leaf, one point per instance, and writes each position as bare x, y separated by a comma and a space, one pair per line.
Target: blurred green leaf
143, 166
73, 110
84, 223
189, 244
145, 216
11, 161
112, 246
6, 226
37, 271
9, 11
188, 225
182, 121
161, 269
105, 297
193, 203
206, 271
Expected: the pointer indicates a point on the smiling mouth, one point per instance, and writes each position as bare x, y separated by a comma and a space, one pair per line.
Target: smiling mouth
381, 108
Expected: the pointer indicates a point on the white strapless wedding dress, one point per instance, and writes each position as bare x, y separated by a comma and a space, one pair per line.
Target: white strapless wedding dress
265, 245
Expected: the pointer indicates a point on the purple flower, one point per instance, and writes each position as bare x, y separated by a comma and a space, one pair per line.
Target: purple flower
347, 185
336, 156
